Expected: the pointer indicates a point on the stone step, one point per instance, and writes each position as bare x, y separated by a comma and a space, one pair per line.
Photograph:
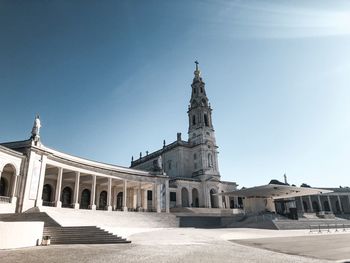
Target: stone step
91, 242
81, 235
96, 240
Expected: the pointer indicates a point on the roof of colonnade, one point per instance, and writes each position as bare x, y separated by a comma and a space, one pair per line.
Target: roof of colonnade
68, 161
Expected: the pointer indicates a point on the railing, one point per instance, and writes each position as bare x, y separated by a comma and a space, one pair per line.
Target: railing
327, 228
5, 199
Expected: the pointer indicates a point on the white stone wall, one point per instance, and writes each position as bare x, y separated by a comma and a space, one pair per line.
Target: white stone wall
7, 208
20, 234
34, 180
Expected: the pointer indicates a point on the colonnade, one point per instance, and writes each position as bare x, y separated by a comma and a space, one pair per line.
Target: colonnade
134, 191
308, 204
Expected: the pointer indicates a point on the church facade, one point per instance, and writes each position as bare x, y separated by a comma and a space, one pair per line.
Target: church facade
192, 165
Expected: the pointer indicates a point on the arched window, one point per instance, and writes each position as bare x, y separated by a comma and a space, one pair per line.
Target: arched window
210, 160
194, 90
206, 121
46, 196
213, 199
85, 199
193, 119
120, 201
103, 200
195, 199
3, 187
184, 197
66, 197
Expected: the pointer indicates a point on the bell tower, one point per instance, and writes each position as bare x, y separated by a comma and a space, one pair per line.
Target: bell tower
201, 133
201, 128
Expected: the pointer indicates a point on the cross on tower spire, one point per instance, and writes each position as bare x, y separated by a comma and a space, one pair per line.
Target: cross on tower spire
197, 71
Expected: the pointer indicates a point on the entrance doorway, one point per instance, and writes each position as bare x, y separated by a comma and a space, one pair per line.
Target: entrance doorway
66, 198
195, 200
213, 199
46, 196
103, 200
120, 201
3, 187
184, 197
85, 199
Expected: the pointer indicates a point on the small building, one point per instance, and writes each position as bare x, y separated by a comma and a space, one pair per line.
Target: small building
287, 200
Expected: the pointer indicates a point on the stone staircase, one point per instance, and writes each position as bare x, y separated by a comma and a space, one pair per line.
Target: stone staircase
81, 235
66, 235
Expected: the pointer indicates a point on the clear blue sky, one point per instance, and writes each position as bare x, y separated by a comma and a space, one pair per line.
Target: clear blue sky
112, 78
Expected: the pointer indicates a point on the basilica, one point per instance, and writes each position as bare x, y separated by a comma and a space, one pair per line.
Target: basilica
192, 165
184, 173
181, 176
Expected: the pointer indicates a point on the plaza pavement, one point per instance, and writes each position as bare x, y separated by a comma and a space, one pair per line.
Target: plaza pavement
197, 245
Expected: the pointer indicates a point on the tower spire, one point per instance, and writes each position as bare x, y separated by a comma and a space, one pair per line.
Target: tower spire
197, 72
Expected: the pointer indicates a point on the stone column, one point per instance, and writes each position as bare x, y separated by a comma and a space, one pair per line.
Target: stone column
145, 200
39, 200
125, 208
302, 205
330, 204
138, 198
158, 201
93, 193
178, 197
227, 202
154, 189
311, 208
109, 195
13, 190
114, 198
235, 200
58, 187
219, 198
340, 205
319, 202
76, 190
190, 201
134, 200
1, 173
167, 197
